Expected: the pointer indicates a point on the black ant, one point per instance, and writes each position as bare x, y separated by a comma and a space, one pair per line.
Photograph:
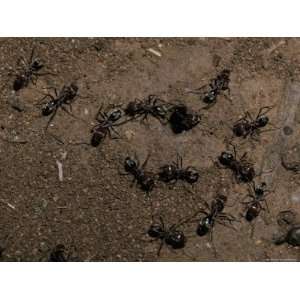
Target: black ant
106, 122
215, 87
144, 179
60, 254
170, 236
214, 213
258, 195
175, 171
66, 96
242, 169
29, 73
182, 120
152, 105
248, 126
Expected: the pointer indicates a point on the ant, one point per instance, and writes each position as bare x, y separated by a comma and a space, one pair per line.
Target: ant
144, 179
66, 96
60, 254
248, 126
242, 169
106, 122
29, 73
152, 105
182, 120
175, 171
214, 213
170, 236
215, 87
258, 195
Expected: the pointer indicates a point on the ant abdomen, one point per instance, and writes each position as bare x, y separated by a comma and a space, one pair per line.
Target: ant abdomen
176, 240
252, 212
97, 137
19, 83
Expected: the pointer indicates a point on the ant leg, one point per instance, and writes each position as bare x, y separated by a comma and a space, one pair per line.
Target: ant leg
132, 183
48, 123
252, 229
212, 243
43, 74
116, 132
146, 161
267, 205
188, 219
227, 97
162, 222
69, 113
260, 112
99, 113
160, 247
31, 55
226, 225
51, 118
45, 97
197, 91
247, 114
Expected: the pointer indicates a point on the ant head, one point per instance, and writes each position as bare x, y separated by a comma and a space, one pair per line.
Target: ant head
192, 175
226, 158
225, 72
221, 198
73, 88
47, 110
115, 115
210, 97
130, 164
204, 226
262, 121
155, 231
37, 65
195, 119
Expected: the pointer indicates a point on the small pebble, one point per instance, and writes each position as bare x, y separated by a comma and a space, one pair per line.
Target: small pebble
129, 134
287, 130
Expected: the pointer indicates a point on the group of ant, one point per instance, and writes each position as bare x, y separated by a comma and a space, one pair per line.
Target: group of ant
180, 118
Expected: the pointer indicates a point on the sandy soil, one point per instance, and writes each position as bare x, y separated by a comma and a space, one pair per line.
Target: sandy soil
94, 211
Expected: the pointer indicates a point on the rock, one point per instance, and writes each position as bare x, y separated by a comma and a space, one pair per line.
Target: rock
129, 134
291, 158
293, 236
286, 218
287, 130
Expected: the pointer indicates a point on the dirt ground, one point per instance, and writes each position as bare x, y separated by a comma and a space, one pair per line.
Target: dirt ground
94, 211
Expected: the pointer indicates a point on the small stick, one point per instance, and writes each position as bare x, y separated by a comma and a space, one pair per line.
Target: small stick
8, 204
